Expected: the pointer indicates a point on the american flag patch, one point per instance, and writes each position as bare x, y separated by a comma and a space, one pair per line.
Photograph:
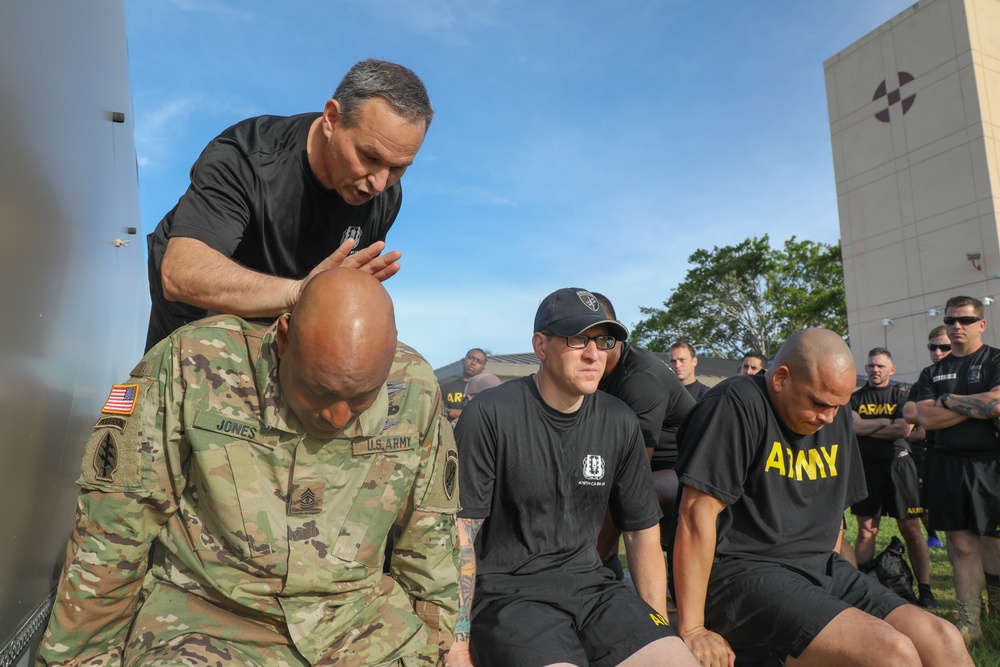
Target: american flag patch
122, 399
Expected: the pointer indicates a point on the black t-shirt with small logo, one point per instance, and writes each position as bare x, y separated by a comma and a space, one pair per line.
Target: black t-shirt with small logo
785, 493
656, 396
542, 479
975, 373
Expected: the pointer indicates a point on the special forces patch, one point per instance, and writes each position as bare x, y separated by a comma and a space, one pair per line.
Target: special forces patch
113, 455
450, 476
106, 458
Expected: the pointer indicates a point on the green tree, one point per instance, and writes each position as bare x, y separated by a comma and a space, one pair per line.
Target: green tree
749, 296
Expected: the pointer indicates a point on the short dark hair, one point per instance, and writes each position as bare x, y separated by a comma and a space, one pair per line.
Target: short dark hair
756, 355
480, 351
961, 301
397, 85
685, 345
606, 302
875, 351
939, 330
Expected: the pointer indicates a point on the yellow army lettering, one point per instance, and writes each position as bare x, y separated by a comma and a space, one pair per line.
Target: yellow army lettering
658, 619
455, 397
876, 409
806, 461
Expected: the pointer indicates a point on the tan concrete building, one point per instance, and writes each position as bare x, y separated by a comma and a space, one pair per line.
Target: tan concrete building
915, 122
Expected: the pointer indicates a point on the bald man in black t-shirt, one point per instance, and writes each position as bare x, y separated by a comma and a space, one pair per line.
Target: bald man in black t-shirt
768, 465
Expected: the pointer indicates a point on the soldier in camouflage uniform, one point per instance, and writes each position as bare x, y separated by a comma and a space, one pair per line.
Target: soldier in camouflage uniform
266, 489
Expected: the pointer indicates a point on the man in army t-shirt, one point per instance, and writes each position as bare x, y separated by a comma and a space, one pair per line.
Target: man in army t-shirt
768, 465
265, 466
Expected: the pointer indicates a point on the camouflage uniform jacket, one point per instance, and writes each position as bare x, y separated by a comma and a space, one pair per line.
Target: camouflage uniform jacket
260, 533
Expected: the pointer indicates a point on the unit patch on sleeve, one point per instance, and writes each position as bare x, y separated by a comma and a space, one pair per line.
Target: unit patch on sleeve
122, 399
112, 460
106, 458
451, 474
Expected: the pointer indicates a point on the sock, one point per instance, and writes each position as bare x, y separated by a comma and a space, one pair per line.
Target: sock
993, 580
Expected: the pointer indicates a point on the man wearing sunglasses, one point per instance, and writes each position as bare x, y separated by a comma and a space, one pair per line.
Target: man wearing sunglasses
542, 457
960, 399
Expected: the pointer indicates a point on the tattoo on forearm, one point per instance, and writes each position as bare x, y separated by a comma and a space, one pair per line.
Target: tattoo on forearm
467, 531
973, 407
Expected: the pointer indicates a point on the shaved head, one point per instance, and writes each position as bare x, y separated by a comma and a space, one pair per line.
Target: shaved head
479, 384
336, 349
812, 376
808, 350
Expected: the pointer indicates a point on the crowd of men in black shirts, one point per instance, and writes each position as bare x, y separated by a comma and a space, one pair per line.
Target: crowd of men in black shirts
897, 463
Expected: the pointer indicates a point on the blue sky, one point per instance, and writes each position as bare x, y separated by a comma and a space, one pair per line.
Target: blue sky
582, 143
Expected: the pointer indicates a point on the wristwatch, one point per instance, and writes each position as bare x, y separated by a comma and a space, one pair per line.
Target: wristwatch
942, 399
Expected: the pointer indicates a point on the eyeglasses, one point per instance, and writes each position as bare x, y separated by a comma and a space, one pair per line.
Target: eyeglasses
579, 341
965, 320
944, 347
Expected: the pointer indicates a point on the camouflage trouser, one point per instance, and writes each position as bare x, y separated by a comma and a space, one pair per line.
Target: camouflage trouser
210, 636
196, 650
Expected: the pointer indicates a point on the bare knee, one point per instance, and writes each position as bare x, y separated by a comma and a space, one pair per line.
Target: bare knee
899, 650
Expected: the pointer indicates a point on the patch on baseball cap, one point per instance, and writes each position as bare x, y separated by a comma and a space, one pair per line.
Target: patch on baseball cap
572, 310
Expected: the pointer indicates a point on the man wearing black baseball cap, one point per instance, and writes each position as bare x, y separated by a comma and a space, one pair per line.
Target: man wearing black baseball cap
541, 458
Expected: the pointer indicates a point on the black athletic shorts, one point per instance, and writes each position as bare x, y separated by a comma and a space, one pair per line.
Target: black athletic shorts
919, 453
768, 610
893, 489
964, 493
539, 619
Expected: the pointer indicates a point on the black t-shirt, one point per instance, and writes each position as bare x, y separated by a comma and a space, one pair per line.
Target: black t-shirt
254, 198
879, 403
975, 373
542, 479
785, 493
656, 396
452, 394
696, 389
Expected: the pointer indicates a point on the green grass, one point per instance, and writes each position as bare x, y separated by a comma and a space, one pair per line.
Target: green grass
985, 653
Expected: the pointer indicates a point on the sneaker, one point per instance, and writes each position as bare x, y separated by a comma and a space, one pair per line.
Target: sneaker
928, 601
933, 542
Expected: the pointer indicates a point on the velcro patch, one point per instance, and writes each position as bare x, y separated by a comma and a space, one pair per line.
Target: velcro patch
106, 458
450, 478
230, 427
121, 401
385, 443
441, 493
112, 460
306, 497
111, 422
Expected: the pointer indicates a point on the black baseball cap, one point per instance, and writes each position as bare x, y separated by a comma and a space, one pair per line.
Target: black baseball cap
571, 311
